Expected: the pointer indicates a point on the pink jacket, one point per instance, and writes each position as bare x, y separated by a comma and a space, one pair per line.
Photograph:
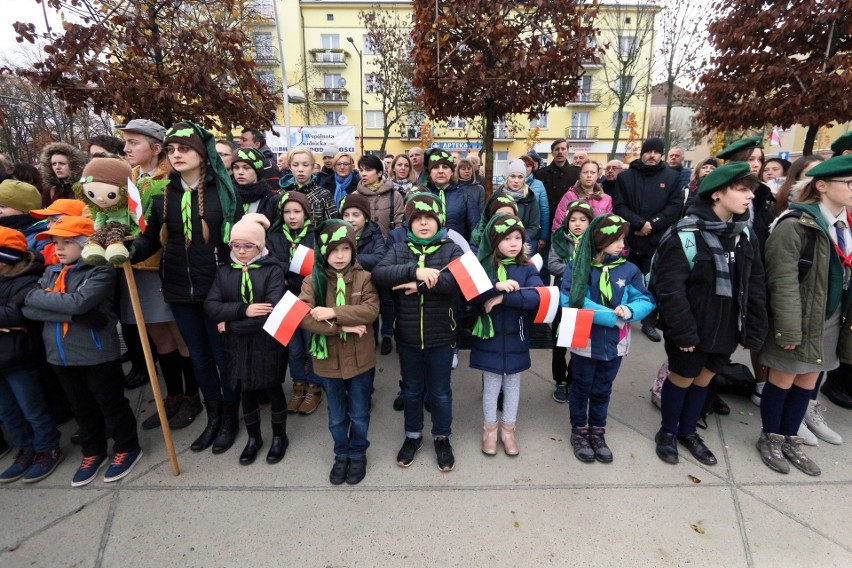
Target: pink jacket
600, 205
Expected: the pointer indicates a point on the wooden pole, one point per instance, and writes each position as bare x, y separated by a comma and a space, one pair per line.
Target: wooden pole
149, 363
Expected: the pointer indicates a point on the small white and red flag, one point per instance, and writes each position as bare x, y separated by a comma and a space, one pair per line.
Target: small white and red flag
285, 318
775, 138
537, 261
471, 277
575, 328
302, 261
548, 304
134, 204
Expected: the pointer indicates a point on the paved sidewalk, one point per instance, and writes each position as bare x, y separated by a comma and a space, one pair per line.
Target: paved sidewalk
541, 508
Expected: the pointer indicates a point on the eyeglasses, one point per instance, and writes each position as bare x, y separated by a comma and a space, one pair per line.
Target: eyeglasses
612, 168
242, 247
178, 148
848, 182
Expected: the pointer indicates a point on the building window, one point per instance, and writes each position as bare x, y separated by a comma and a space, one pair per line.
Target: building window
332, 118
584, 91
541, 122
329, 17
375, 119
267, 78
372, 83
264, 8
330, 41
333, 81
501, 156
626, 46
624, 84
624, 117
368, 46
262, 43
456, 123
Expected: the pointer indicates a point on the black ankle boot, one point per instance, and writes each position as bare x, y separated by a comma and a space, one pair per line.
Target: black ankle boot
279, 438
228, 432
250, 451
214, 423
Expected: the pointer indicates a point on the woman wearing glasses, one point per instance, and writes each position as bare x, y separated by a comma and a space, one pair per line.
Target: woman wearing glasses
345, 179
191, 222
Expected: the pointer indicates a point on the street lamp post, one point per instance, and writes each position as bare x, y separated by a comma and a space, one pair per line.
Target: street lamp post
361, 87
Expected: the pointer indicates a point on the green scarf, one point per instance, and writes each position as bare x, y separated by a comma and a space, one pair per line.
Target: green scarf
604, 283
246, 288
484, 328
186, 213
297, 238
584, 255
319, 345
560, 244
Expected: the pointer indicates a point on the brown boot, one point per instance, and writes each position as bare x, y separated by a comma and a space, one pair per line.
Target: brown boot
313, 397
297, 398
507, 436
489, 439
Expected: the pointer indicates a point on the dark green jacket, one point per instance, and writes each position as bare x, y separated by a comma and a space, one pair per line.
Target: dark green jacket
797, 313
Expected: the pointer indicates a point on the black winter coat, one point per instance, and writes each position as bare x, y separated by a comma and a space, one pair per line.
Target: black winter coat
281, 249
557, 181
371, 246
461, 210
19, 347
252, 356
691, 313
429, 318
648, 193
187, 271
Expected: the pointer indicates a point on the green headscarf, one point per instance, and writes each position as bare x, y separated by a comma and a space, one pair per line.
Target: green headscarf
585, 253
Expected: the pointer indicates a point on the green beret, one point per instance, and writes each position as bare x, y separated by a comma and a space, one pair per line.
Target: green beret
837, 166
844, 142
723, 176
745, 143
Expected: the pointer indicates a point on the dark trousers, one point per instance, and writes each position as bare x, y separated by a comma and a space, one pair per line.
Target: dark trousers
422, 370
24, 411
96, 393
559, 367
349, 412
277, 407
643, 262
591, 387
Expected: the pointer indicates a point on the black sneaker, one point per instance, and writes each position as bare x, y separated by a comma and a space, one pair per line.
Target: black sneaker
189, 408
580, 443
172, 404
444, 452
598, 443
408, 451
720, 407
339, 470
652, 333
697, 448
357, 470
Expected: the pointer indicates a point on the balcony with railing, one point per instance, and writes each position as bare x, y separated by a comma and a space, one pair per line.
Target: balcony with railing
585, 99
331, 96
502, 133
329, 58
579, 133
264, 54
409, 132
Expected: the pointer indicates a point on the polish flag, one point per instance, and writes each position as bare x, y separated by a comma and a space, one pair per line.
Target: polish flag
537, 261
458, 239
302, 262
576, 328
134, 204
548, 304
471, 277
285, 318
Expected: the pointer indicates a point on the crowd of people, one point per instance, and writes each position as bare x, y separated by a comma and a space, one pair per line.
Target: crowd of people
739, 251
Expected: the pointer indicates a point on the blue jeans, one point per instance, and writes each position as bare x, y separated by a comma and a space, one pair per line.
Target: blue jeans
205, 349
591, 387
24, 411
297, 351
349, 412
427, 369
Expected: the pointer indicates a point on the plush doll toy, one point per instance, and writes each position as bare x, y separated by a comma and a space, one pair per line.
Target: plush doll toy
103, 188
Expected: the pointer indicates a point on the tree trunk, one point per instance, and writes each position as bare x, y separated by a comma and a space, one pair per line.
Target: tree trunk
667, 123
488, 145
617, 133
810, 138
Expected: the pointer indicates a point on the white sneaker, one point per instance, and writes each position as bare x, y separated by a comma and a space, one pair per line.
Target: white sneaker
455, 360
807, 435
816, 424
758, 390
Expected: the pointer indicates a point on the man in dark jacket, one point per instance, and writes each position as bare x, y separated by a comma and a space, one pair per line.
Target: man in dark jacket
558, 176
326, 173
649, 196
253, 138
675, 161
611, 171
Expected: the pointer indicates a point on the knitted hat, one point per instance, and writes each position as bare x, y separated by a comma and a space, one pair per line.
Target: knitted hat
13, 245
19, 195
111, 171
251, 156
498, 227
609, 227
329, 152
745, 143
833, 167
498, 200
516, 166
357, 201
424, 203
652, 145
251, 228
187, 134
298, 197
578, 207
843, 143
437, 156
724, 176
69, 226
60, 207
331, 234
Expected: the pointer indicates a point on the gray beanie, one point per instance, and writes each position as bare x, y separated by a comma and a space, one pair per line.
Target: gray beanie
517, 166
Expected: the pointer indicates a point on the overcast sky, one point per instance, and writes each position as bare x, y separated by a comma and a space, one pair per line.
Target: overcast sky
24, 11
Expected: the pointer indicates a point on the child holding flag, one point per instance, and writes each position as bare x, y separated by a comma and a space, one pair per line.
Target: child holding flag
242, 296
501, 346
426, 302
343, 304
599, 278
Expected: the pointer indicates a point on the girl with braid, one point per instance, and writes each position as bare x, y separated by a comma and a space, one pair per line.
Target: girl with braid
344, 303
192, 222
242, 297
